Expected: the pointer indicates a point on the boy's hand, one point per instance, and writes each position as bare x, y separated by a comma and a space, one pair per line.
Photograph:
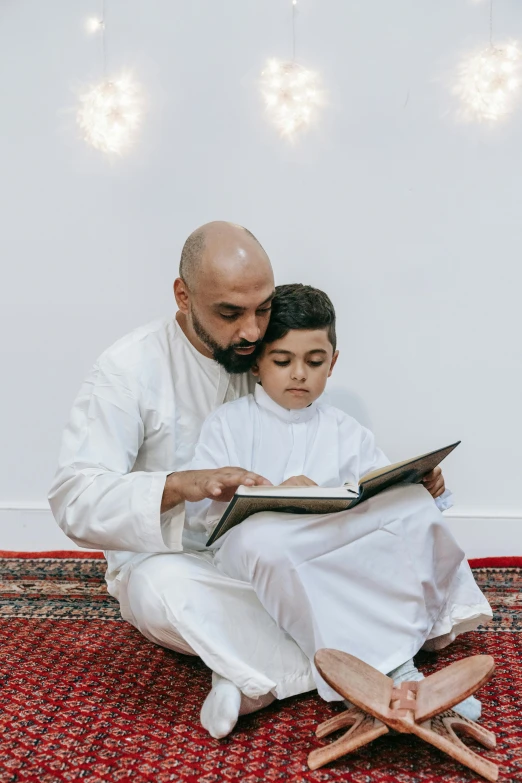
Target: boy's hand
434, 483
298, 481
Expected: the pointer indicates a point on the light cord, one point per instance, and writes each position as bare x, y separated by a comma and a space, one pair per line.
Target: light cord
294, 12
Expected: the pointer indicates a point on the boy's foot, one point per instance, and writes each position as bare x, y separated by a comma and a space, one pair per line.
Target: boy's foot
469, 708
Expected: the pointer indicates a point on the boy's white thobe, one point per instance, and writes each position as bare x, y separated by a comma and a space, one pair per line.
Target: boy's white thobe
377, 581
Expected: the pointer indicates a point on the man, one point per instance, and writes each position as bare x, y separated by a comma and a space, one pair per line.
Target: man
120, 484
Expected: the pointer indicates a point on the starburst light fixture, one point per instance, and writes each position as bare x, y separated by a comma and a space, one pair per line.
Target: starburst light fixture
110, 114
488, 83
291, 94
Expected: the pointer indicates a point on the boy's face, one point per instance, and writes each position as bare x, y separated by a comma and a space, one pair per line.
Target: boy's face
293, 370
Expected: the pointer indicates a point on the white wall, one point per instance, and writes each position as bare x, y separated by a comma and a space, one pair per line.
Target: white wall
408, 219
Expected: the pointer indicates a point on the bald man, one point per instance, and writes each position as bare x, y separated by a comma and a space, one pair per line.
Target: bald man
121, 487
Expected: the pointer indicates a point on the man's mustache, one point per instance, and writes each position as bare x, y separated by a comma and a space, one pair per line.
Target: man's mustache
245, 344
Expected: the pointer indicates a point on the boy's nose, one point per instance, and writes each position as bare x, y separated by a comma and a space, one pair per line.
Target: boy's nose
298, 374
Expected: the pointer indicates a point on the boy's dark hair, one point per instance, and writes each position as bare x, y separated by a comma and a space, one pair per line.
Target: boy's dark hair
298, 306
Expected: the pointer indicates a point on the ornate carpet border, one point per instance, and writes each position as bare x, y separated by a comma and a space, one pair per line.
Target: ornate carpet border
71, 585
62, 554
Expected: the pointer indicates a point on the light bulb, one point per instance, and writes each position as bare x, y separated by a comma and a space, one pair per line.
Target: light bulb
94, 25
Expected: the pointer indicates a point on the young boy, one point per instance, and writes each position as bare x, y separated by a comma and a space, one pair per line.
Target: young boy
379, 581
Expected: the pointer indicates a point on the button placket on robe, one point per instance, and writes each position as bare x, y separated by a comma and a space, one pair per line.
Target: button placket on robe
295, 465
223, 392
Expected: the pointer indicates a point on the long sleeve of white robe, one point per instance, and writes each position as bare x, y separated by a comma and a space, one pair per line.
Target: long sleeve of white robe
96, 498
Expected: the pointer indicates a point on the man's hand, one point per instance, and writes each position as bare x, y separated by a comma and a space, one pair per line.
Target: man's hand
298, 481
434, 483
217, 484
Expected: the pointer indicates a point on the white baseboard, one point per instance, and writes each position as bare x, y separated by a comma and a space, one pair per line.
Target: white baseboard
30, 527
487, 532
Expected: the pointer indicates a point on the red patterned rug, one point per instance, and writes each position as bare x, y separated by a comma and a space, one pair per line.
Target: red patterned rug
84, 697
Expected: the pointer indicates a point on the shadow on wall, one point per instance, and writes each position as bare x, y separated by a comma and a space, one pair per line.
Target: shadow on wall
350, 403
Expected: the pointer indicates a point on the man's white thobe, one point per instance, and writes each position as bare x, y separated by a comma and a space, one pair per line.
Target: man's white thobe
136, 419
377, 581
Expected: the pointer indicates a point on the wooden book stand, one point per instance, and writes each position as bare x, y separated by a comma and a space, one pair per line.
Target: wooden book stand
422, 708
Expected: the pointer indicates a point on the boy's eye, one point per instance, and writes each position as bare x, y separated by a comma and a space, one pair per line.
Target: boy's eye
316, 364
283, 363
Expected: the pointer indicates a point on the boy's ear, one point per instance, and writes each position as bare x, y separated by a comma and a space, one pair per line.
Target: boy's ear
254, 370
332, 365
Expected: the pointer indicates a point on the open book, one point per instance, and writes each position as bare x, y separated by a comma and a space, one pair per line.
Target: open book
325, 500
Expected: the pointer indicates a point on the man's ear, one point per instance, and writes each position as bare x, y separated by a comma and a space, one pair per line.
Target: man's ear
334, 360
181, 294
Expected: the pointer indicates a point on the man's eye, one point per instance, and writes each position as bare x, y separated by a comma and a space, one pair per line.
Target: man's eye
284, 363
231, 317
265, 311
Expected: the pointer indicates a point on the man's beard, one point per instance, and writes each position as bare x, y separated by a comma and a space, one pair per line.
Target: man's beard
233, 362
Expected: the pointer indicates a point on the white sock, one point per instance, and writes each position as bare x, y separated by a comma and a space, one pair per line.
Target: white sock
469, 708
407, 672
249, 705
220, 709
225, 703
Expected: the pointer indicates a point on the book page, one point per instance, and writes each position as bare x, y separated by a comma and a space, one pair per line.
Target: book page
297, 492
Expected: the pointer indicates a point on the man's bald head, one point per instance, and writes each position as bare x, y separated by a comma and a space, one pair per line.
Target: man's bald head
224, 293
215, 245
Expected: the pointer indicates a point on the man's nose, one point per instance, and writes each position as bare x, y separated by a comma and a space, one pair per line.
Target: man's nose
249, 329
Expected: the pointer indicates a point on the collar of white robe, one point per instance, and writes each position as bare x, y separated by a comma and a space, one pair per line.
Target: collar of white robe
291, 417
